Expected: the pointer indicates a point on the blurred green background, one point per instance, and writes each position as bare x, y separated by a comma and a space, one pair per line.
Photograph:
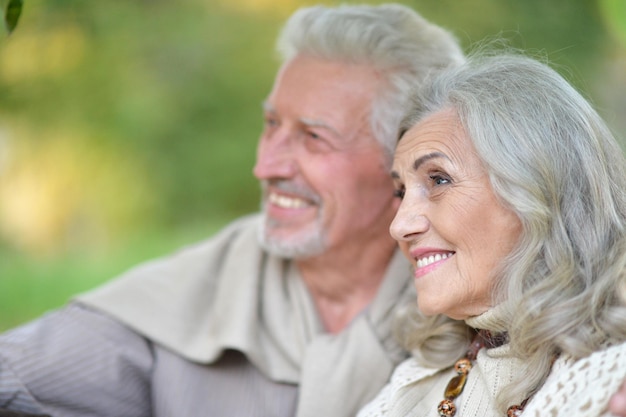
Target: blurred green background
128, 128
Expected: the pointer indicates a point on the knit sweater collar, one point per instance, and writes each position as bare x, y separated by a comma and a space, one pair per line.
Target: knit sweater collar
496, 319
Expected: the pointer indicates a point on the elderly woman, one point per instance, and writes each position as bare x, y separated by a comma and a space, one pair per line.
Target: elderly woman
513, 213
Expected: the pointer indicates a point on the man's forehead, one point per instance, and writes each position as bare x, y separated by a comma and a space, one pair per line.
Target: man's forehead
320, 93
327, 82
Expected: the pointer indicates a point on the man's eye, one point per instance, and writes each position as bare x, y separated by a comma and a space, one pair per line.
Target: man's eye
313, 135
399, 192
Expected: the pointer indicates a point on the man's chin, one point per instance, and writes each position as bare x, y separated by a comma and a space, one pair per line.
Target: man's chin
293, 245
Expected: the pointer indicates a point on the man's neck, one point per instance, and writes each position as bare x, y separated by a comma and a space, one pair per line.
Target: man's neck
342, 285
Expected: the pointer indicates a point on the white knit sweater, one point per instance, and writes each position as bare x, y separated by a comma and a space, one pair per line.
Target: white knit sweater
574, 388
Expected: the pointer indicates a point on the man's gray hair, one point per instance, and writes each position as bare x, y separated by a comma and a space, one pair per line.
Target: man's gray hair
392, 38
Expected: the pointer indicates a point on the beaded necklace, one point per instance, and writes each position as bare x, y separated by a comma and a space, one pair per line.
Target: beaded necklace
483, 338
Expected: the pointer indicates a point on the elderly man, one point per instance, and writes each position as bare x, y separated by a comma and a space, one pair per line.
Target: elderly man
287, 312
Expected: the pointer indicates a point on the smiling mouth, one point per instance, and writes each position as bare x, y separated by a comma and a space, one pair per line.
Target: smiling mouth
429, 260
283, 201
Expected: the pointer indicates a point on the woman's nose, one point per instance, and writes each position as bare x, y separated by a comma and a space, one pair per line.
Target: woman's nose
410, 220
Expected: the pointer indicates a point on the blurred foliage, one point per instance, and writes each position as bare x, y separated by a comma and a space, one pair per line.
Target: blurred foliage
27, 288
614, 14
12, 13
125, 122
120, 115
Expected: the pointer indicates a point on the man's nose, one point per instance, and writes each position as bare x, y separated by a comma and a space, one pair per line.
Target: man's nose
275, 156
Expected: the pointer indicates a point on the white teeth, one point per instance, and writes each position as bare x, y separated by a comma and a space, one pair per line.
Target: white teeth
286, 202
431, 259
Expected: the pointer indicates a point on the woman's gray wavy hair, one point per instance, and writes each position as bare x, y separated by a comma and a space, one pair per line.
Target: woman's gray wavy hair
392, 38
551, 159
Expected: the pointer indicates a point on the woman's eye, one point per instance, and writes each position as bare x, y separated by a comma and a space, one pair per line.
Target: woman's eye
439, 179
399, 192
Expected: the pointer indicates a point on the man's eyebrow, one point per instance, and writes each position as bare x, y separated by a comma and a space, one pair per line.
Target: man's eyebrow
421, 160
319, 123
268, 107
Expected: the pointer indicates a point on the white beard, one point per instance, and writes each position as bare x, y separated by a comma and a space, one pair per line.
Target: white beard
301, 245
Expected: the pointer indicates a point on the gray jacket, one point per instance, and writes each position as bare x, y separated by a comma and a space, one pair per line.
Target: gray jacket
218, 329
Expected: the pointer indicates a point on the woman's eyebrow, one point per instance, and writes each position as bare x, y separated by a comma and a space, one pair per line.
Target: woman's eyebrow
421, 160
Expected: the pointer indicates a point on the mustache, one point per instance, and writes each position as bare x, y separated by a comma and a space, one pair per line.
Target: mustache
290, 187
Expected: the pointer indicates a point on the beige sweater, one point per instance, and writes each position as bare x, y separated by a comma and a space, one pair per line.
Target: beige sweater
227, 293
574, 388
